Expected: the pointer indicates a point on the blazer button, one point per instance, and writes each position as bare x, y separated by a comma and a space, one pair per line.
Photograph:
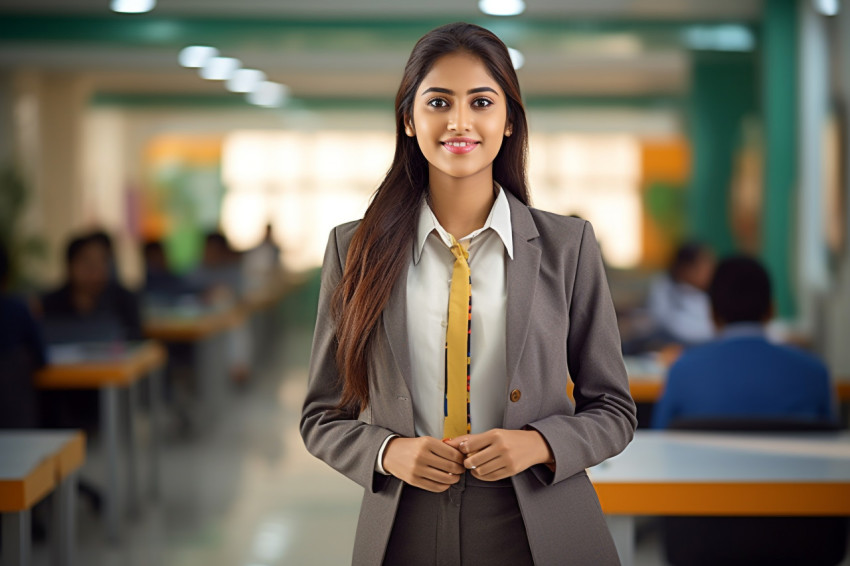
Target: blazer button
515, 395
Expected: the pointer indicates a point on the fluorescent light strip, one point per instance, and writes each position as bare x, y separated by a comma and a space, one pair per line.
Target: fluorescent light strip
132, 6
501, 7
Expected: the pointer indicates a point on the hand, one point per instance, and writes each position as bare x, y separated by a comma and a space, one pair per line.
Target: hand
499, 453
423, 462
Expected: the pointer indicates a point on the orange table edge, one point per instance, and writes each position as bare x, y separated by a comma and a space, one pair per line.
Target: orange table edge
725, 498
98, 374
21, 494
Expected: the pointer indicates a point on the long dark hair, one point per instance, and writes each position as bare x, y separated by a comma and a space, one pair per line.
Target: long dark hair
379, 248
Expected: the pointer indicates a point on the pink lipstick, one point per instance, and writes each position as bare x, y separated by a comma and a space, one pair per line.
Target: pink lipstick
460, 146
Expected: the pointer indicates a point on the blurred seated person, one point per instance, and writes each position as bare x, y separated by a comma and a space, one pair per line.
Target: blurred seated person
220, 272
159, 279
90, 294
22, 351
740, 374
262, 262
678, 305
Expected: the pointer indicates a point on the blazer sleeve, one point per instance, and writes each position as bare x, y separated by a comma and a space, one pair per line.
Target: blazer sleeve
348, 445
605, 418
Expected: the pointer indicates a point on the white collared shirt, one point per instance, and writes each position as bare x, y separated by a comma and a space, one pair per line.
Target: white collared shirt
428, 282
429, 278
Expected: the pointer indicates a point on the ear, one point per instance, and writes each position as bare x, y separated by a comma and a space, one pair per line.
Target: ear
408, 127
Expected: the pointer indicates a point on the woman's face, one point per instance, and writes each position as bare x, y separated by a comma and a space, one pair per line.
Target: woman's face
459, 117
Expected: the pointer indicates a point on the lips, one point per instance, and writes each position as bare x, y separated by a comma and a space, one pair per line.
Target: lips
460, 145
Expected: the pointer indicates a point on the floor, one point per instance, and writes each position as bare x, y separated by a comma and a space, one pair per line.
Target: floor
244, 491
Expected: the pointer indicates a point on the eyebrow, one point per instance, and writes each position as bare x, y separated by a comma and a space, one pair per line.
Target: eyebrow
451, 92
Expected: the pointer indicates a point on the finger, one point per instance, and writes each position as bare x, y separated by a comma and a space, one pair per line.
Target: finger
438, 476
491, 467
437, 461
494, 475
446, 451
479, 459
471, 443
429, 485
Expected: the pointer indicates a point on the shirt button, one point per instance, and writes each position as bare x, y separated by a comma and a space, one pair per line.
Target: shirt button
443, 324
515, 395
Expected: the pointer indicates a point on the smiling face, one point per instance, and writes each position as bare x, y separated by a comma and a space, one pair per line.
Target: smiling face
459, 117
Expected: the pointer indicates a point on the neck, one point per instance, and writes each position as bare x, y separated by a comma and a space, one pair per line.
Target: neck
461, 205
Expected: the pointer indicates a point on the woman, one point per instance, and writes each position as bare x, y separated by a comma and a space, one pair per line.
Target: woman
450, 409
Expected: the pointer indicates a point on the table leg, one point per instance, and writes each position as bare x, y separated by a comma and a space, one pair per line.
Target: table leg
155, 384
622, 529
132, 450
109, 430
65, 521
17, 538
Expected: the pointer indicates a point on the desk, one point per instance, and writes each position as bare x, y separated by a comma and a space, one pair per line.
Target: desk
112, 369
679, 473
206, 330
33, 464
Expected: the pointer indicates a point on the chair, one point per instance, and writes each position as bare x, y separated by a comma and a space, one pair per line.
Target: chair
753, 541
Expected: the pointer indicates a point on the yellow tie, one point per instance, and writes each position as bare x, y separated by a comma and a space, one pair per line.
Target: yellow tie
457, 345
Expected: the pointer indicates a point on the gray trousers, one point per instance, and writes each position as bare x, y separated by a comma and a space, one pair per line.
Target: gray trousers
473, 522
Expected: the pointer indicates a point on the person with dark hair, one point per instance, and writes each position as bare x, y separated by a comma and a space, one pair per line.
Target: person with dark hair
22, 351
741, 374
449, 319
678, 305
89, 293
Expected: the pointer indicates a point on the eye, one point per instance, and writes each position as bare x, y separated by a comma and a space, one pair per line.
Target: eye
482, 103
438, 103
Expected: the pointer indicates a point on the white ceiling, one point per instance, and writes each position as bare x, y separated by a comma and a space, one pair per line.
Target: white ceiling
389, 9
615, 64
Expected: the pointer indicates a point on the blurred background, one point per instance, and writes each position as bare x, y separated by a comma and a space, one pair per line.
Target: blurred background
209, 146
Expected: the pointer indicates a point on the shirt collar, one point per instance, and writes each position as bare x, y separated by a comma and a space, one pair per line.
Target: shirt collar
499, 220
742, 330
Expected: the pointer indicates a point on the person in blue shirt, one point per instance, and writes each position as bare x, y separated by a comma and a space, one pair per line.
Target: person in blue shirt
740, 374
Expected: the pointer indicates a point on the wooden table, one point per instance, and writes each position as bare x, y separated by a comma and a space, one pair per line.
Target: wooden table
206, 331
678, 473
113, 370
34, 463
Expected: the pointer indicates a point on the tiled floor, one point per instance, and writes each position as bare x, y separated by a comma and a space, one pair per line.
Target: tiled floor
245, 492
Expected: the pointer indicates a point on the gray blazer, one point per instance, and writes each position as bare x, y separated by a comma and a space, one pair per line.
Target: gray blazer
560, 322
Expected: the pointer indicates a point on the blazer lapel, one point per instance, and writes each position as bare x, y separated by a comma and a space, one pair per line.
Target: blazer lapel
522, 275
395, 326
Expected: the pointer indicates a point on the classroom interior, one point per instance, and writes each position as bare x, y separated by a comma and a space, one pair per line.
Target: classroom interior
199, 153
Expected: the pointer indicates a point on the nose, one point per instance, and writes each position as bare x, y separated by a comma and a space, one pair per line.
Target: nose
459, 118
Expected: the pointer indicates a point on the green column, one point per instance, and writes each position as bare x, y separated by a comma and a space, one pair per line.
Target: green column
723, 92
779, 99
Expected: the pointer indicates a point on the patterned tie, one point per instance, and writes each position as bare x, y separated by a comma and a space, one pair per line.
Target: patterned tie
457, 345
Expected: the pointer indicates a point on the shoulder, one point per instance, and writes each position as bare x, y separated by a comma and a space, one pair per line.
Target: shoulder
803, 361
557, 228
343, 233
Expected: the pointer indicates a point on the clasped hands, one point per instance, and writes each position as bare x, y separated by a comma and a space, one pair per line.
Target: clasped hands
435, 465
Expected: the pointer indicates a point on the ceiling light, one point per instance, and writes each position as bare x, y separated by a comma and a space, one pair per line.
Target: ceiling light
220, 68
245, 80
501, 7
268, 94
196, 56
517, 58
827, 7
132, 6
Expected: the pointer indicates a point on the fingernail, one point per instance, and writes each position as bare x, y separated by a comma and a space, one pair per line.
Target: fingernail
447, 439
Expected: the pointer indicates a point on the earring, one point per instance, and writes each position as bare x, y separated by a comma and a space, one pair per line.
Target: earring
408, 129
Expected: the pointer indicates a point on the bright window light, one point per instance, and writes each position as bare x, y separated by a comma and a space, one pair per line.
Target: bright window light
133, 6
245, 80
220, 68
501, 7
517, 58
828, 7
268, 94
196, 56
